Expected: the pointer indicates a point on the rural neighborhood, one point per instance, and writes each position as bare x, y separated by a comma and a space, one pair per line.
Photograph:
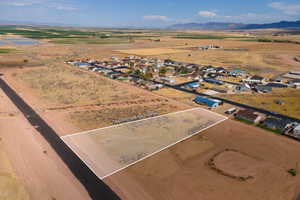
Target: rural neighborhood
149, 100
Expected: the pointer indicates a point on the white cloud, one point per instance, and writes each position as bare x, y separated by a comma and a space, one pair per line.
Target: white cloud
56, 4
157, 18
208, 14
289, 9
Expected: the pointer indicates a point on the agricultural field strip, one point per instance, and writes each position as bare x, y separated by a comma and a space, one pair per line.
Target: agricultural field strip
151, 154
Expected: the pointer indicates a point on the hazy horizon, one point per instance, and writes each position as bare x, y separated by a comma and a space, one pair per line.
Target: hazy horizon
134, 13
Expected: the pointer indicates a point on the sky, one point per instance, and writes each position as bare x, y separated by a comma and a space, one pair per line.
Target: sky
147, 13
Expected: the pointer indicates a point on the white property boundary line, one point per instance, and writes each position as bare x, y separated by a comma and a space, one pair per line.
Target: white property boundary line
151, 154
126, 123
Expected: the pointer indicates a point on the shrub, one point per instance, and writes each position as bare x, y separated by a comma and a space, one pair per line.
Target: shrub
293, 172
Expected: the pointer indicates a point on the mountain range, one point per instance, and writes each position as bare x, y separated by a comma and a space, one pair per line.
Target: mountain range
233, 26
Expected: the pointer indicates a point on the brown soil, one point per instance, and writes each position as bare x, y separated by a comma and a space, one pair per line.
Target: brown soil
170, 175
36, 165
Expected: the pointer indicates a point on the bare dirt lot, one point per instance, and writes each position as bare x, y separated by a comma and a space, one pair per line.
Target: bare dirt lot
139, 139
10, 185
183, 170
30, 169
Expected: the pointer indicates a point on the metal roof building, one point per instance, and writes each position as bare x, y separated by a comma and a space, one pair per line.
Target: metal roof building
207, 101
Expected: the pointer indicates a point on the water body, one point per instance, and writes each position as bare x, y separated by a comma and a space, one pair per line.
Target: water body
18, 41
2, 43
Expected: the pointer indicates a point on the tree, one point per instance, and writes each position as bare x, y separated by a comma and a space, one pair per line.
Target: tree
162, 70
137, 72
148, 75
183, 70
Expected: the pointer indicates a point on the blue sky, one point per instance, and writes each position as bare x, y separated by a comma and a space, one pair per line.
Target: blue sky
147, 13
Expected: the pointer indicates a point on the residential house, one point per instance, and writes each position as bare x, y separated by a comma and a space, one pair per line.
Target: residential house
248, 115
276, 124
277, 79
255, 80
237, 72
292, 75
193, 85
277, 85
263, 89
154, 86
168, 80
297, 132
213, 81
221, 90
243, 88
294, 83
220, 70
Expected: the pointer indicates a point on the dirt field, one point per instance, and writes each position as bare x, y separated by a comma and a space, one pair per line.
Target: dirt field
260, 154
138, 139
34, 170
82, 99
153, 51
10, 185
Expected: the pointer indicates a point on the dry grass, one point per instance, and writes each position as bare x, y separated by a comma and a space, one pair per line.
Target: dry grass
62, 85
10, 186
87, 120
289, 96
176, 95
153, 51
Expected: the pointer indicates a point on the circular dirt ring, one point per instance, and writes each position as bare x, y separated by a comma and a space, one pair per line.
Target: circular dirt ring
234, 164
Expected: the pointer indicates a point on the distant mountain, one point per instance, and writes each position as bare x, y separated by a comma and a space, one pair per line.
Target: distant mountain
282, 24
232, 26
207, 26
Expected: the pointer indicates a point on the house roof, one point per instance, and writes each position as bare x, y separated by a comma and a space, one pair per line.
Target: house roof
294, 81
277, 85
278, 123
207, 101
264, 88
255, 77
249, 114
195, 84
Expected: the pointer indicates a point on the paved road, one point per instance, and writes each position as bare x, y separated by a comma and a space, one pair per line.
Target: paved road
96, 188
266, 112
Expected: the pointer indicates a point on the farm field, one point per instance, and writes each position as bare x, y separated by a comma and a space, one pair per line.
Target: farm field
153, 51
228, 161
139, 139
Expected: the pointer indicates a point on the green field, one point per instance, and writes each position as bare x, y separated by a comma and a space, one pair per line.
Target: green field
42, 33
5, 50
91, 41
204, 36
270, 40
